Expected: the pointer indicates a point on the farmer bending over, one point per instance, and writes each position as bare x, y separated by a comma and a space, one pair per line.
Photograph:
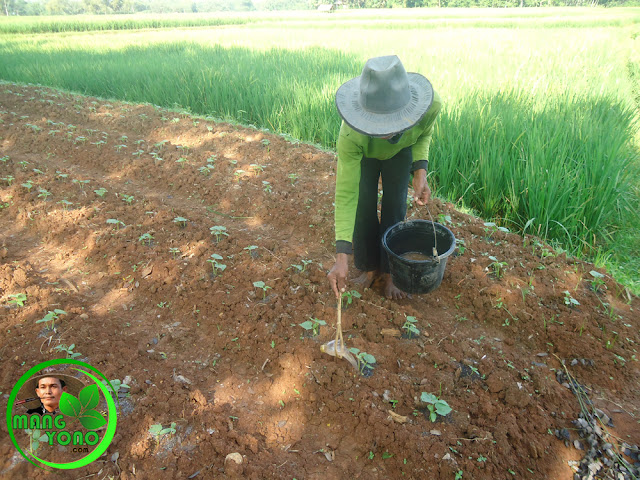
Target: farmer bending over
388, 118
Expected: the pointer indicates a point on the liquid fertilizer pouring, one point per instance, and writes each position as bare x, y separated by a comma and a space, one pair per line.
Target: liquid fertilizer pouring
337, 348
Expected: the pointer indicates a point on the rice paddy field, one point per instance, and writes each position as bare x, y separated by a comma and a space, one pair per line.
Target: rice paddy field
539, 130
166, 214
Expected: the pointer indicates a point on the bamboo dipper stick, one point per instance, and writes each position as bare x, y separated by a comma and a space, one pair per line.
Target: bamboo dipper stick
339, 340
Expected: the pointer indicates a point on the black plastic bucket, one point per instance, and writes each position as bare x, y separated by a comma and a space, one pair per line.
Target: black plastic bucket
416, 238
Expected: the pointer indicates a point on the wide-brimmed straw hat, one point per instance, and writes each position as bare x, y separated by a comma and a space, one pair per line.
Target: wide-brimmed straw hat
28, 390
385, 99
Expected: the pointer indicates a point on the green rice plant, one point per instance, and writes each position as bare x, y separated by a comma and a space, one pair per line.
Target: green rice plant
529, 130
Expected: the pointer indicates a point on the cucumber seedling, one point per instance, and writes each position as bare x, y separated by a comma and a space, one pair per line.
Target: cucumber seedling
217, 267
409, 326
17, 299
181, 221
435, 405
116, 222
219, 231
263, 286
366, 361
146, 237
348, 297
313, 325
51, 316
497, 267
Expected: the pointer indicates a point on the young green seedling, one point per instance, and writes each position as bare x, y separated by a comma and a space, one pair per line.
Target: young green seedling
18, 299
219, 231
28, 185
100, 192
8, 179
68, 350
366, 361
52, 316
43, 193
303, 267
217, 267
410, 327
293, 177
263, 286
174, 251
158, 431
348, 296
497, 267
597, 282
116, 222
36, 437
266, 186
146, 237
117, 386
435, 405
313, 325
81, 183
569, 300
180, 221
65, 204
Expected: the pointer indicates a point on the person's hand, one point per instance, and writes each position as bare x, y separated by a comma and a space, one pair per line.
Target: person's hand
421, 190
338, 274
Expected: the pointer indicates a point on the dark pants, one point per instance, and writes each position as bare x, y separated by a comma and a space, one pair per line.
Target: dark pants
367, 235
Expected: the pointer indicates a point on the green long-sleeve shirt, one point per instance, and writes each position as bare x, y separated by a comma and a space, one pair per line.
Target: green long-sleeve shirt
352, 146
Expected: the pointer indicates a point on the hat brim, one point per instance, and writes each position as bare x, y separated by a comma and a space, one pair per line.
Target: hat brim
384, 124
73, 386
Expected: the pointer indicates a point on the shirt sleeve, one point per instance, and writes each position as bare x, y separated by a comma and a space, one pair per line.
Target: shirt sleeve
350, 151
420, 149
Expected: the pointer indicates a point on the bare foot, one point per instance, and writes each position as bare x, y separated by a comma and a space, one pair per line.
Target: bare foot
366, 279
390, 290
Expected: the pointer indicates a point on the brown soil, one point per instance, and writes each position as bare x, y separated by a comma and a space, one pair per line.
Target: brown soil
233, 369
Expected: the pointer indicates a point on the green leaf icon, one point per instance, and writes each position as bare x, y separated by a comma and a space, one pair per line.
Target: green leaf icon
69, 405
92, 419
89, 397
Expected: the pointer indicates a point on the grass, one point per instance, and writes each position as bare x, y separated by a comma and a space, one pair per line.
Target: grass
533, 133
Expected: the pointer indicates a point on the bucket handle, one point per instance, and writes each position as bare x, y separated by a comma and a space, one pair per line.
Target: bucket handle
435, 237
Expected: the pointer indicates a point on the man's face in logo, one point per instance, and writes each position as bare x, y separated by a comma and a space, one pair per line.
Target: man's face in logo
49, 390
